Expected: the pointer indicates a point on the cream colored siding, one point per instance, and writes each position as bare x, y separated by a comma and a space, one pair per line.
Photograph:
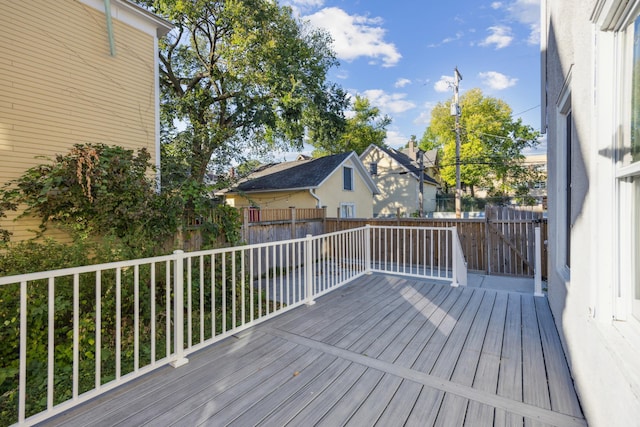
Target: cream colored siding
59, 85
332, 193
398, 188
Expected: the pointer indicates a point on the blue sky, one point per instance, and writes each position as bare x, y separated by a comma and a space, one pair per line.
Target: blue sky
401, 54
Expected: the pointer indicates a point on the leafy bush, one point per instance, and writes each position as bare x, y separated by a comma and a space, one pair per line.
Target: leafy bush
105, 199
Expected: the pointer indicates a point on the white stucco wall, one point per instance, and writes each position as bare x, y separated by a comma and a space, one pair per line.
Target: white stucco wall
602, 348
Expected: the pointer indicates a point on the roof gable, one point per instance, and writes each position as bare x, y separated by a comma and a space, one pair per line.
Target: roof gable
300, 174
402, 159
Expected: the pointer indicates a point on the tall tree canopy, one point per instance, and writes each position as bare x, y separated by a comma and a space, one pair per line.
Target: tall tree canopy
241, 76
365, 127
491, 141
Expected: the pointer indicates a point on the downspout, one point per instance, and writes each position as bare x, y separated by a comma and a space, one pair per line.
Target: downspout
311, 191
107, 14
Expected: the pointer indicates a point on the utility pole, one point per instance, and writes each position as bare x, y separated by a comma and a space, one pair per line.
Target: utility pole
455, 109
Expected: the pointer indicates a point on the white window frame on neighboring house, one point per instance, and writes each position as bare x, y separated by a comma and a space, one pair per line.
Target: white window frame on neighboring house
347, 210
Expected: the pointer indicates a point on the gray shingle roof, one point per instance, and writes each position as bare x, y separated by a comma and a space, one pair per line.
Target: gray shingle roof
407, 163
297, 174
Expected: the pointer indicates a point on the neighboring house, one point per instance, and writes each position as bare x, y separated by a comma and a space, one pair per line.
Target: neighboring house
537, 163
63, 83
591, 114
339, 182
537, 169
430, 161
397, 176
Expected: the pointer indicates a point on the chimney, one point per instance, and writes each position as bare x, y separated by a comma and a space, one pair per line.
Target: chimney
411, 148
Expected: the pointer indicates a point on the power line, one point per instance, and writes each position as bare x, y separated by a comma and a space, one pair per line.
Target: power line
527, 110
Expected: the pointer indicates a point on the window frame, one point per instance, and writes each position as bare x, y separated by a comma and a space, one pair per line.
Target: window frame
348, 207
347, 172
627, 180
566, 138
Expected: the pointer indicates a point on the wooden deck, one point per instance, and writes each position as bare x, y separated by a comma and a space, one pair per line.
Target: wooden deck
383, 351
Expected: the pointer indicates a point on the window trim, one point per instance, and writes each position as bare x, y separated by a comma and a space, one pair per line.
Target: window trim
351, 205
563, 209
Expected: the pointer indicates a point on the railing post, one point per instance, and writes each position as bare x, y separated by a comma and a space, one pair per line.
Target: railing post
178, 310
538, 264
308, 269
367, 249
454, 256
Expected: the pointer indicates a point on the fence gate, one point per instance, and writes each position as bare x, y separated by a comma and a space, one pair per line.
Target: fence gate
510, 240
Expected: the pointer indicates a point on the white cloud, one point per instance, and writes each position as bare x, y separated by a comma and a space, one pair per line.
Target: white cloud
356, 36
496, 5
444, 84
424, 118
342, 74
396, 139
501, 37
527, 12
389, 102
497, 81
402, 82
446, 40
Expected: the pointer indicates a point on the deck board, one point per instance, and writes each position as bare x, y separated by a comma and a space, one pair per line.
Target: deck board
382, 350
562, 392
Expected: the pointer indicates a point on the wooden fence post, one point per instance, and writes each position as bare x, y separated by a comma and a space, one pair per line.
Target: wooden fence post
293, 222
245, 225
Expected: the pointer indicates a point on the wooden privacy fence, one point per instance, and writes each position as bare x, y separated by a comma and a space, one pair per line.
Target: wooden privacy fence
270, 225
510, 241
502, 243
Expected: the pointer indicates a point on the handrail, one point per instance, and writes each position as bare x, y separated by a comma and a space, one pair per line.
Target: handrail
156, 311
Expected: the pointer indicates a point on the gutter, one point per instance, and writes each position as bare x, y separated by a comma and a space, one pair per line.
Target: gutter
311, 191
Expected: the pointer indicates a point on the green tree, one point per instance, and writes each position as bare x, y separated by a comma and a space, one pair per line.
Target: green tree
240, 76
491, 142
366, 127
98, 191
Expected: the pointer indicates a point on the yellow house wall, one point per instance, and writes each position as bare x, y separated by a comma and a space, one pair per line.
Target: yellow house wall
398, 189
332, 193
273, 200
59, 86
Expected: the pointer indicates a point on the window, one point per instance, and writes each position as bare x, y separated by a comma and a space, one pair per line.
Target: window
347, 178
373, 168
628, 175
347, 210
562, 188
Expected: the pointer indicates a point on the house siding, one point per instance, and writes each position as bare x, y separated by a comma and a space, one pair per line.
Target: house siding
332, 193
398, 189
273, 200
601, 347
60, 86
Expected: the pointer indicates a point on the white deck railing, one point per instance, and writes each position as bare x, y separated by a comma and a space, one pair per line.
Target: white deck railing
103, 325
